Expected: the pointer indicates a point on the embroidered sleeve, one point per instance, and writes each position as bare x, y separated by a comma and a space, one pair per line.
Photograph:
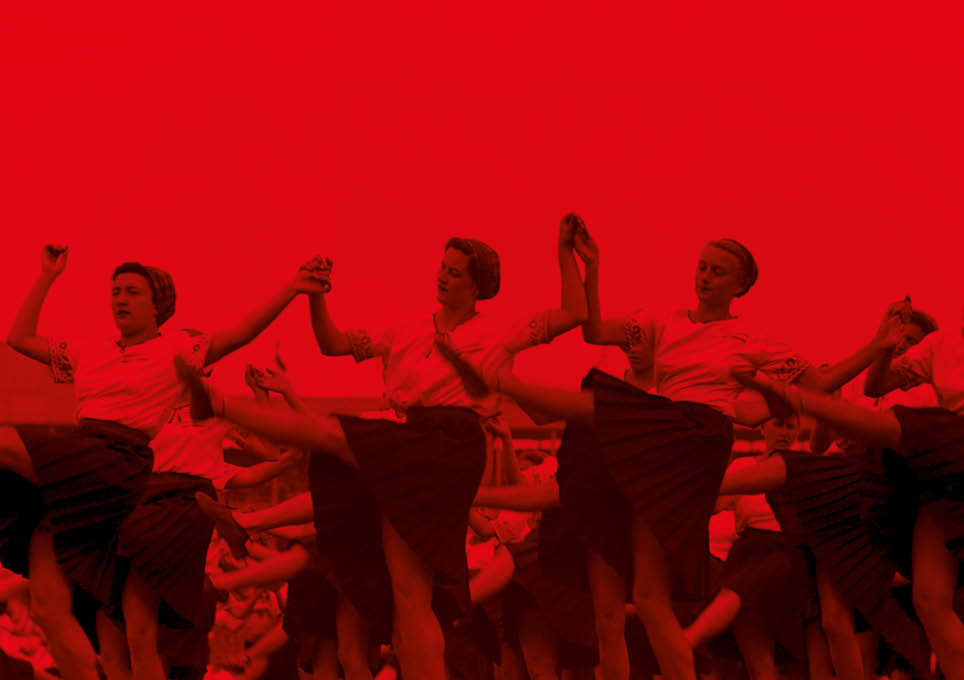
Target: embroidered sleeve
192, 346
61, 361
778, 361
530, 332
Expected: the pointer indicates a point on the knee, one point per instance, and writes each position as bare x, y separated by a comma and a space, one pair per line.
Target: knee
47, 608
927, 602
411, 595
837, 625
353, 660
611, 623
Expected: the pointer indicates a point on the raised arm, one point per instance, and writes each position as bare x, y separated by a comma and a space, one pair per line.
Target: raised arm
837, 375
596, 330
226, 341
572, 307
331, 341
881, 379
23, 334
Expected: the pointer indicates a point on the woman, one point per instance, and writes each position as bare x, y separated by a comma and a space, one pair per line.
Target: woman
767, 589
408, 486
647, 532
931, 442
92, 475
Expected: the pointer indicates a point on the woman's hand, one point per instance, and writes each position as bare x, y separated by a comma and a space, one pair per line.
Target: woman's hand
53, 260
586, 247
314, 276
891, 330
568, 226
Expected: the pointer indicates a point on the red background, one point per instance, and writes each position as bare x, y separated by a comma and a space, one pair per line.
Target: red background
228, 143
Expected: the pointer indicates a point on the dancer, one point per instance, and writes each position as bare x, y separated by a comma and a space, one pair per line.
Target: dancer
766, 584
92, 475
645, 515
930, 441
410, 485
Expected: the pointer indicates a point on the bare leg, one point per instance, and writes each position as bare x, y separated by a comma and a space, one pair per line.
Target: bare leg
867, 641
140, 603
325, 663
282, 567
767, 475
51, 607
14, 456
837, 619
653, 599
717, 617
493, 577
422, 649
114, 655
818, 654
879, 428
756, 647
353, 637
540, 645
609, 605
575, 407
935, 578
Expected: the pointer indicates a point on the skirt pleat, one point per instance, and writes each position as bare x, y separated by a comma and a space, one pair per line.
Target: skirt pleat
91, 478
310, 607
667, 459
421, 475
166, 539
827, 492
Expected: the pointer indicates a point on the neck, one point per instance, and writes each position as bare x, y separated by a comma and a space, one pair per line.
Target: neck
127, 340
705, 312
448, 318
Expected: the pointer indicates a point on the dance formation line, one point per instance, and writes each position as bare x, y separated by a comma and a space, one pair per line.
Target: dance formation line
111, 518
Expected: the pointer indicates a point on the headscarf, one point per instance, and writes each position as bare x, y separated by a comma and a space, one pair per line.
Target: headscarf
484, 265
745, 257
162, 288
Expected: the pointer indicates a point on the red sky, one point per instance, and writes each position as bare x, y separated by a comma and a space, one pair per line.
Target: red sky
228, 143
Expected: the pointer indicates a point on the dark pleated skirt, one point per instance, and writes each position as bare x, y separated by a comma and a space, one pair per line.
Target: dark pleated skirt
933, 441
667, 460
21, 510
310, 607
829, 493
568, 612
91, 476
773, 581
421, 475
166, 538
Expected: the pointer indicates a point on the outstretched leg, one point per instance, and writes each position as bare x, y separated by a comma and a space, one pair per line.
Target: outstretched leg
876, 428
609, 605
715, 618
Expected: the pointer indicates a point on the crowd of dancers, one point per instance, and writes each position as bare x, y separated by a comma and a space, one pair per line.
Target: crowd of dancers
411, 535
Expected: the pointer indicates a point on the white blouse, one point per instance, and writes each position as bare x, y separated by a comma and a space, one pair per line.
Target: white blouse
692, 361
191, 448
135, 386
937, 360
415, 374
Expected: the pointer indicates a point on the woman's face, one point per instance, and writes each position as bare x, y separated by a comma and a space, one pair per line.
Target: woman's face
781, 433
455, 286
132, 303
719, 276
913, 334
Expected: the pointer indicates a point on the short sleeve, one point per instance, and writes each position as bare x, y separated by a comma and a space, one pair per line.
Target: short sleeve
368, 343
527, 333
916, 367
192, 346
63, 360
777, 360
